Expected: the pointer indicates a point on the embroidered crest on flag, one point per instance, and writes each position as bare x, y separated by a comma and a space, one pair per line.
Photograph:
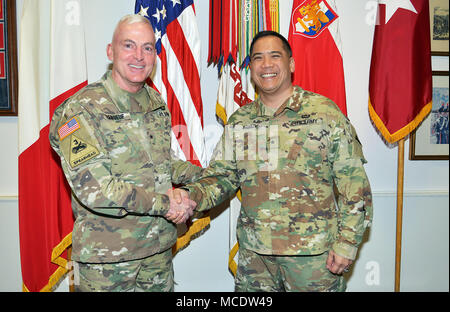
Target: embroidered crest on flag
312, 17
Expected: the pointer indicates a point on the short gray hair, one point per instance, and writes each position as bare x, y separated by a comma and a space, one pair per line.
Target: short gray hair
131, 19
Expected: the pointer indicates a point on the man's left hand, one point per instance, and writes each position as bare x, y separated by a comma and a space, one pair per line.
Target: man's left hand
337, 264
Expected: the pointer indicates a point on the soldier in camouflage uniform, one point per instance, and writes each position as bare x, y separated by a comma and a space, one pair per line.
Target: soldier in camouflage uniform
114, 141
285, 151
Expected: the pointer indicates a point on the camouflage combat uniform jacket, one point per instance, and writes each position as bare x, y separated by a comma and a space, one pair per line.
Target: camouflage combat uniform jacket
115, 153
285, 165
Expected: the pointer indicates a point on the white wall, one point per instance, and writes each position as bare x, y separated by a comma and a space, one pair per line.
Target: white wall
202, 266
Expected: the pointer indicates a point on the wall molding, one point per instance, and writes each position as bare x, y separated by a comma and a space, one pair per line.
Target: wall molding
411, 193
9, 197
378, 193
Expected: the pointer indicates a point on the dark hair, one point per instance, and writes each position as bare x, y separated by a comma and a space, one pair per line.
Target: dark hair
265, 33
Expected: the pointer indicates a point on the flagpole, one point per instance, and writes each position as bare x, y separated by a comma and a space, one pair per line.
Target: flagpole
70, 275
398, 245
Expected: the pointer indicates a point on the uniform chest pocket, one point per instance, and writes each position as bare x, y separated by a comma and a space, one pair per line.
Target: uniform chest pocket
125, 142
158, 133
308, 153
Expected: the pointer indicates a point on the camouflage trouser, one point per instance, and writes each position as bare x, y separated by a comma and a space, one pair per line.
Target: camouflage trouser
257, 272
154, 273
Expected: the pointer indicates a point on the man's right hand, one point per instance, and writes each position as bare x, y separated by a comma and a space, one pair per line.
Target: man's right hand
181, 207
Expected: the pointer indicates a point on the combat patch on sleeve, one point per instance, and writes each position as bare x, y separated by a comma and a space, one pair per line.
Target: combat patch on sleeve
68, 128
80, 151
79, 145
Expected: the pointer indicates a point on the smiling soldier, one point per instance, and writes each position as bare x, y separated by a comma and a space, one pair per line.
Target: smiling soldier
113, 138
291, 235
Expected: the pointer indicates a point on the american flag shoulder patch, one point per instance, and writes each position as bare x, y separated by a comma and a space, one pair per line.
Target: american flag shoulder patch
69, 127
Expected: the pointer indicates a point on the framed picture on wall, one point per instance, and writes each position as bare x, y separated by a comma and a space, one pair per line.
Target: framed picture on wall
439, 27
8, 58
430, 141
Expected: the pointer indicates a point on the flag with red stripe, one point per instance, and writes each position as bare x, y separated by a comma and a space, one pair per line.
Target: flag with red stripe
400, 87
233, 92
316, 45
177, 74
45, 214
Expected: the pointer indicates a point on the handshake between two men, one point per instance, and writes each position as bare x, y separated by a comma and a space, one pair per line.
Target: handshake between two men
181, 207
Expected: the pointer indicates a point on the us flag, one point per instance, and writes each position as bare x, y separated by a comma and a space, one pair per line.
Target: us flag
177, 79
177, 76
71, 126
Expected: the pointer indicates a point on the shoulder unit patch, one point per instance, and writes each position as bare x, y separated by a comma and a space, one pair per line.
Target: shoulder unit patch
81, 151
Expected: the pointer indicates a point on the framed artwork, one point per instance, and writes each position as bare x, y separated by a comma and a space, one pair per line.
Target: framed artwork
430, 141
439, 27
8, 58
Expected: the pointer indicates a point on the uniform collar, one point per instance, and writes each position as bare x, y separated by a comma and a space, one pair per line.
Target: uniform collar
292, 103
121, 98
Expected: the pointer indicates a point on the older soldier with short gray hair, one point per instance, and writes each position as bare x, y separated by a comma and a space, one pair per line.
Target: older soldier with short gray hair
114, 141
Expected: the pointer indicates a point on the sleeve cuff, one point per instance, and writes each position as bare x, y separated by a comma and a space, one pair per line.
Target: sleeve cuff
196, 195
345, 250
160, 205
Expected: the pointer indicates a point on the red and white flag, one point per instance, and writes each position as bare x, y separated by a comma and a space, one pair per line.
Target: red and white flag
45, 214
400, 89
235, 90
316, 45
177, 79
